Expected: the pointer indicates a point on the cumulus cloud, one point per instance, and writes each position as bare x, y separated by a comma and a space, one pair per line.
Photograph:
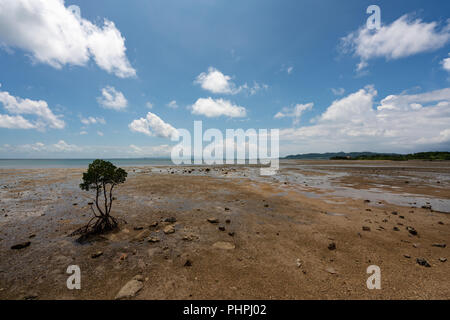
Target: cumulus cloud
112, 99
92, 120
57, 35
402, 38
152, 125
295, 112
63, 146
446, 63
172, 104
404, 122
149, 105
37, 108
211, 108
216, 82
64, 149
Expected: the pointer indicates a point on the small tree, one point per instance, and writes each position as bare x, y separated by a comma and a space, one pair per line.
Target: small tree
100, 176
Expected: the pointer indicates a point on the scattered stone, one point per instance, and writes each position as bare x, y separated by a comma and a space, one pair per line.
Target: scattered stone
439, 245
21, 245
153, 239
228, 221
153, 224
396, 229
123, 257
224, 245
331, 270
171, 220
426, 207
367, 201
442, 259
231, 234
407, 256
138, 228
188, 263
332, 246
213, 220
222, 228
31, 236
130, 289
169, 229
423, 262
266, 205
75, 204
30, 297
139, 278
401, 217
365, 228
298, 263
412, 231
394, 213
440, 222
90, 203
227, 209
141, 236
96, 254
416, 245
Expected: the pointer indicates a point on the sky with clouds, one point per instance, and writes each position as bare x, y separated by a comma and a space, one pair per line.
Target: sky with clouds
83, 79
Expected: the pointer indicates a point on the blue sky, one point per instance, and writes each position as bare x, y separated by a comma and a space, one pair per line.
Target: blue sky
82, 86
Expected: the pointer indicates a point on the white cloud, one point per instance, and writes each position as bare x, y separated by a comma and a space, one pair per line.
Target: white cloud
149, 105
216, 82
112, 99
63, 146
287, 69
402, 38
83, 133
295, 112
172, 104
217, 107
399, 123
38, 108
446, 63
58, 35
150, 151
92, 120
152, 125
100, 133
338, 91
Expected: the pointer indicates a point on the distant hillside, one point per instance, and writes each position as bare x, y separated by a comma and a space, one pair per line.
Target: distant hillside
329, 155
436, 155
432, 156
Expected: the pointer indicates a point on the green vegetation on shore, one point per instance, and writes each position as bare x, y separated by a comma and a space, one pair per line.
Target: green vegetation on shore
431, 156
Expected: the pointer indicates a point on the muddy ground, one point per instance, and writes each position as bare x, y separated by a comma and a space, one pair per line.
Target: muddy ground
273, 239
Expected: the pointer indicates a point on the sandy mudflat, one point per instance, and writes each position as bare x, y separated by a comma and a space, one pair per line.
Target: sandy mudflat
280, 226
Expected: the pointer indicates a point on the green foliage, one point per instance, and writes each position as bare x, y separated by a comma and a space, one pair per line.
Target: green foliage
101, 176
101, 173
431, 156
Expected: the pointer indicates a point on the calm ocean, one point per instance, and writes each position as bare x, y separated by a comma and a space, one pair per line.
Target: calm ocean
77, 163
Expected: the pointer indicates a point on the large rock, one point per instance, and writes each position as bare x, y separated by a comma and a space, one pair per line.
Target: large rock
130, 289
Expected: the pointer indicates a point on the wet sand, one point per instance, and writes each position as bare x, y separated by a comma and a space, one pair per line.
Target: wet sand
277, 231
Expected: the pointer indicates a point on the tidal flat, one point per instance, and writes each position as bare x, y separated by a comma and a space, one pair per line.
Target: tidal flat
225, 232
